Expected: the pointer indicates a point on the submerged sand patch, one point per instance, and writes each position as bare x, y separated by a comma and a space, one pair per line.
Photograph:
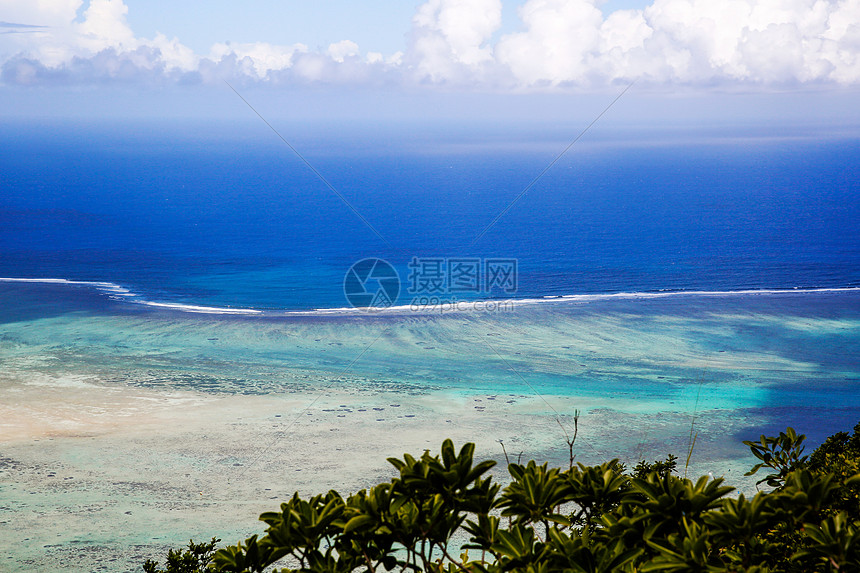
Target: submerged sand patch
123, 434
134, 471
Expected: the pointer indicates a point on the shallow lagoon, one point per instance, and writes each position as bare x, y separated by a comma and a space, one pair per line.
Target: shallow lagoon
125, 429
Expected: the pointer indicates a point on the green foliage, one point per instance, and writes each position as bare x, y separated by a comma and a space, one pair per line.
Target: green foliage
783, 454
585, 519
840, 456
195, 559
663, 468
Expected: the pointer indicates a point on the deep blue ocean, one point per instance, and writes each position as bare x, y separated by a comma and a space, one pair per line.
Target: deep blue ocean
162, 420
227, 215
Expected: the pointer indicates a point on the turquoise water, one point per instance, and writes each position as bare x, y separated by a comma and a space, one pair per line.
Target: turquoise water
189, 361
777, 350
129, 428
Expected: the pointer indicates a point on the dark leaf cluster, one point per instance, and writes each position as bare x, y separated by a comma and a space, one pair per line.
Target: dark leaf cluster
443, 513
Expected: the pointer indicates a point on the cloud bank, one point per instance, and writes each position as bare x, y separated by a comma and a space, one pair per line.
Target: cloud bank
561, 44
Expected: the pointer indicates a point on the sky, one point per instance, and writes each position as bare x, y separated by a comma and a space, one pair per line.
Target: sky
771, 59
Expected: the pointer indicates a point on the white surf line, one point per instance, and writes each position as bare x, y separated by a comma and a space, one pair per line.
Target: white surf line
460, 306
199, 309
113, 289
550, 299
58, 281
467, 305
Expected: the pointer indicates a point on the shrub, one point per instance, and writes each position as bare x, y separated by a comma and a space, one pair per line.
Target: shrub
583, 519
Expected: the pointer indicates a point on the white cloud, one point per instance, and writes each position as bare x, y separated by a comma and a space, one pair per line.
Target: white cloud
343, 49
559, 45
62, 37
40, 12
105, 26
174, 54
257, 59
455, 42
449, 35
686, 41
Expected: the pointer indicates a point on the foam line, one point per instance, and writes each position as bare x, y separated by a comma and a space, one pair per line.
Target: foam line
118, 292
